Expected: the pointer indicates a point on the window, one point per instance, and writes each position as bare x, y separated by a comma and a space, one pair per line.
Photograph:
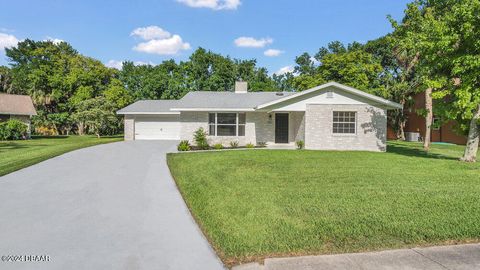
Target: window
436, 123
226, 124
344, 122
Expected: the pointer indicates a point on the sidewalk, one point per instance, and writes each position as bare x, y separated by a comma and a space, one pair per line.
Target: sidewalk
463, 257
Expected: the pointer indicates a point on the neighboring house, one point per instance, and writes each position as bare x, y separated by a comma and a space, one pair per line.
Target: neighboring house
330, 116
18, 107
415, 125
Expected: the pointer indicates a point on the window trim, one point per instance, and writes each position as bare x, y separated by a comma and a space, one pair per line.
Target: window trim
216, 124
355, 123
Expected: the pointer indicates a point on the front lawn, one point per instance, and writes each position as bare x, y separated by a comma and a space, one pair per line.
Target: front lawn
257, 203
15, 155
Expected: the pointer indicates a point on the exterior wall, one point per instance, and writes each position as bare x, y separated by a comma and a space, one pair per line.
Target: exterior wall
370, 131
331, 95
129, 127
297, 126
257, 128
416, 123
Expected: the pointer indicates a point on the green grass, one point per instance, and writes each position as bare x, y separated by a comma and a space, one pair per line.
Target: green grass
15, 155
257, 203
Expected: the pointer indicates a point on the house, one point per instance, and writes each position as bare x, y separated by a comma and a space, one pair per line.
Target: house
415, 125
18, 107
330, 116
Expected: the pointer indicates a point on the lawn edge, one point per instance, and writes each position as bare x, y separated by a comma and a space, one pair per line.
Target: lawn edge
200, 225
234, 261
56, 155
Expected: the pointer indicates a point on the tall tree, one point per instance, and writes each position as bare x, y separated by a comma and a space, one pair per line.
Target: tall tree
445, 34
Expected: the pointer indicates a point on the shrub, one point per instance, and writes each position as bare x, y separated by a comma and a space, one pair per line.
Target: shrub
218, 146
200, 137
13, 130
45, 131
234, 144
262, 144
250, 145
4, 132
184, 146
300, 144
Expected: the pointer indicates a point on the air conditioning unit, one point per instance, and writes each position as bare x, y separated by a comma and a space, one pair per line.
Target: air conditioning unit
412, 136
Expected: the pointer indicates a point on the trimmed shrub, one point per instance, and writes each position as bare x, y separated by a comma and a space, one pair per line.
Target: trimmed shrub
234, 144
184, 146
250, 145
13, 130
218, 146
200, 137
300, 144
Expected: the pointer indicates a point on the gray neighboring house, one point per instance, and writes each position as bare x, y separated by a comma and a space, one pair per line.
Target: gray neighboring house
331, 116
18, 107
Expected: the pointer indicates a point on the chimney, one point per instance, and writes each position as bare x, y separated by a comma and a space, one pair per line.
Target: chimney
241, 87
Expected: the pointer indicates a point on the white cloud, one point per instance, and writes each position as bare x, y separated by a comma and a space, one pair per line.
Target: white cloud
167, 46
55, 41
114, 64
314, 61
141, 63
158, 41
150, 32
284, 70
7, 41
252, 42
212, 4
272, 52
119, 64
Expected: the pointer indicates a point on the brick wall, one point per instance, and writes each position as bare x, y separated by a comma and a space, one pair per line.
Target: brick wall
258, 128
371, 128
129, 127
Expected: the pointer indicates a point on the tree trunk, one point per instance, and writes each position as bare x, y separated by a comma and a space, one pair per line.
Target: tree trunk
80, 128
470, 154
401, 135
428, 119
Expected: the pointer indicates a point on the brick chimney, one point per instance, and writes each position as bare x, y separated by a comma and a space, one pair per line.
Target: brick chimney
241, 87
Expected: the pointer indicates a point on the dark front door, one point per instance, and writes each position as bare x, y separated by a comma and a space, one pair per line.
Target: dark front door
281, 128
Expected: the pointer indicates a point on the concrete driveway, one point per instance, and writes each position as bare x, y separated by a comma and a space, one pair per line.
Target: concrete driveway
112, 206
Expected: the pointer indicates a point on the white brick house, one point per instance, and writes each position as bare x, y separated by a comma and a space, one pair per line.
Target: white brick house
331, 116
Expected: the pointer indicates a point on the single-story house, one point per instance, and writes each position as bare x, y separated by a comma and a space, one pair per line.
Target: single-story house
331, 116
18, 107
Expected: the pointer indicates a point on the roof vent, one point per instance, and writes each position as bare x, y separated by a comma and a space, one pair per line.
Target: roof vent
241, 87
279, 93
330, 94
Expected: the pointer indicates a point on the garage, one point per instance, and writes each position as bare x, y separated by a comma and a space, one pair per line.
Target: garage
158, 127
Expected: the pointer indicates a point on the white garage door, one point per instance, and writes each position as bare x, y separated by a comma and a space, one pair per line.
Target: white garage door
162, 127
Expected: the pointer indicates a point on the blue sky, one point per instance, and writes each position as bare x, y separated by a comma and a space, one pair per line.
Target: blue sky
113, 31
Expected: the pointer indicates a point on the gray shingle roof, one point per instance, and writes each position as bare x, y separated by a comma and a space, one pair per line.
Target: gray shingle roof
204, 100
227, 100
149, 106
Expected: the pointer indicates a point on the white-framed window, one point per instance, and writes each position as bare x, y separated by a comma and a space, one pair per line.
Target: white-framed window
344, 122
226, 124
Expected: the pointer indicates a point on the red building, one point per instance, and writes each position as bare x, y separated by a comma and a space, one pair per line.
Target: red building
416, 123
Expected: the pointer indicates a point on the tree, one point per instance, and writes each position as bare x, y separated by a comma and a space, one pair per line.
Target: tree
96, 115
5, 80
398, 77
117, 94
349, 65
445, 34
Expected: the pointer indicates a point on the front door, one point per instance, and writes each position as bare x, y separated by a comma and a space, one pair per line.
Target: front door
281, 128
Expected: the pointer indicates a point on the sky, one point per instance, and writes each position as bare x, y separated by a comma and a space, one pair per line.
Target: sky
150, 31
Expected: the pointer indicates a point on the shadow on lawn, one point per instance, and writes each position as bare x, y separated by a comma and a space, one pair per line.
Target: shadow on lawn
415, 152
